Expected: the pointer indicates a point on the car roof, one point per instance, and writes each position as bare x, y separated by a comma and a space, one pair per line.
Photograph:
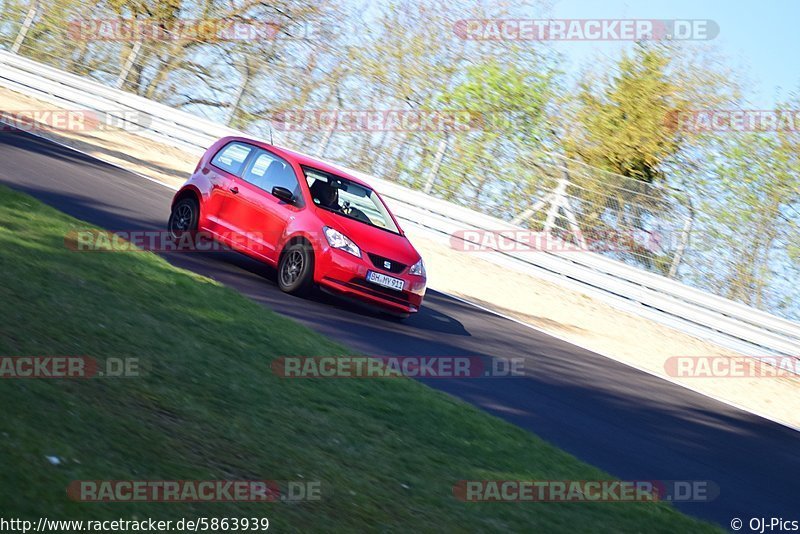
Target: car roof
305, 160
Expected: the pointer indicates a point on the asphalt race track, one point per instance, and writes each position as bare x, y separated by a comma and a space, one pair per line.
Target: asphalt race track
629, 423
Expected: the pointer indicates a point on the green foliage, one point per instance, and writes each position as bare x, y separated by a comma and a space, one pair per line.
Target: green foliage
749, 233
509, 104
625, 122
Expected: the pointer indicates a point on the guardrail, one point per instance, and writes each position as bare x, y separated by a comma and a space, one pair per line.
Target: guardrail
140, 115
690, 310
722, 321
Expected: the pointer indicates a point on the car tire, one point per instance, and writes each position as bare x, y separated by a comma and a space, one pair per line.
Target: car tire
296, 269
183, 218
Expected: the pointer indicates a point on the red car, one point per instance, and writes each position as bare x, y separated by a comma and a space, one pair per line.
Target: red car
317, 225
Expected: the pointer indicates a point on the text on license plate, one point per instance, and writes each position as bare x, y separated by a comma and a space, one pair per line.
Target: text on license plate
385, 281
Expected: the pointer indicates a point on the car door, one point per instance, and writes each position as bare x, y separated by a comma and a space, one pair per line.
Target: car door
279, 214
245, 212
262, 217
223, 172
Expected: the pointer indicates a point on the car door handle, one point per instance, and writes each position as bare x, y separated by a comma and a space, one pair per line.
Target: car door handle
235, 190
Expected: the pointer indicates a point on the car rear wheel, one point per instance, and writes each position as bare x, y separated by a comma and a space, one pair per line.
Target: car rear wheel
296, 269
183, 219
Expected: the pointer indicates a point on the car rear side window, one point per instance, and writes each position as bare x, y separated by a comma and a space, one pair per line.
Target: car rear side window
232, 157
267, 170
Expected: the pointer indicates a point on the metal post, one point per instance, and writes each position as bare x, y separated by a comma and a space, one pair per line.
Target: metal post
685, 233
128, 65
26, 26
559, 200
563, 200
437, 162
528, 213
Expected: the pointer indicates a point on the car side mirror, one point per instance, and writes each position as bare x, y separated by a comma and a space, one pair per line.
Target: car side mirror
282, 193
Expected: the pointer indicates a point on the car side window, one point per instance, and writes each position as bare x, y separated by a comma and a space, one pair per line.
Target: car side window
267, 170
231, 157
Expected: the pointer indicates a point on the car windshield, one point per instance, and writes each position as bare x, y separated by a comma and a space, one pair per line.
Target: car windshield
348, 199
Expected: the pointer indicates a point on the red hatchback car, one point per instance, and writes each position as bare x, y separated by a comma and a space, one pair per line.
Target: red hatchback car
317, 225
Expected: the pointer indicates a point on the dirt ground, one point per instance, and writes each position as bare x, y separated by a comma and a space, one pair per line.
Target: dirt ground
567, 314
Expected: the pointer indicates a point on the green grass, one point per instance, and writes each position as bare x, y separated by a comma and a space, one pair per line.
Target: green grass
386, 451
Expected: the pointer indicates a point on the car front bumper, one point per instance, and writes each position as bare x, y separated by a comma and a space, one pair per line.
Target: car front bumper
343, 273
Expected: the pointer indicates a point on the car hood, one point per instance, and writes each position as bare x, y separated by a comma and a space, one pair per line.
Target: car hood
372, 239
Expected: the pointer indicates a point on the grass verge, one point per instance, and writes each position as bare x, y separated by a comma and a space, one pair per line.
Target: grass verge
387, 452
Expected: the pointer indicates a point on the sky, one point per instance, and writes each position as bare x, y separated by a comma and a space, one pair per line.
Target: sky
760, 39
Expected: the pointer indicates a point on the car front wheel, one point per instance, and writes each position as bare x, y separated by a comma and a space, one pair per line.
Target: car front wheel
296, 269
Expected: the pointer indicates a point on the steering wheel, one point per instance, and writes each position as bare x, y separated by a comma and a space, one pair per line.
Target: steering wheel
355, 213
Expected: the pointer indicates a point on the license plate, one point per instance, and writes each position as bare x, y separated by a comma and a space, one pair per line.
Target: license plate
385, 281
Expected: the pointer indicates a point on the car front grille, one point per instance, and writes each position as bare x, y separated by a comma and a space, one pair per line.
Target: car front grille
381, 263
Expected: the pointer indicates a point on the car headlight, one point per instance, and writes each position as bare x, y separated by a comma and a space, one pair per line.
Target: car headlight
338, 240
418, 268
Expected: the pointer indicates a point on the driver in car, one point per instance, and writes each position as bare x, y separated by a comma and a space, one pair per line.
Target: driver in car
326, 195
